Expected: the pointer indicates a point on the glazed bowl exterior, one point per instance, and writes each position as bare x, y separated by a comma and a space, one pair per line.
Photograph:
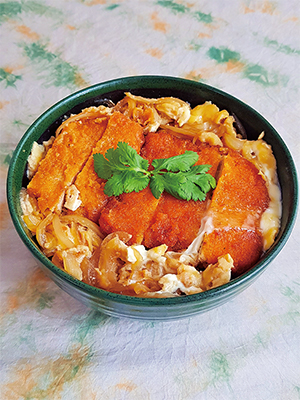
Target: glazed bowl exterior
152, 86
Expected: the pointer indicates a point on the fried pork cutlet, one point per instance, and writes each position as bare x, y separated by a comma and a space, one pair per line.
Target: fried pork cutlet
129, 212
66, 157
153, 222
235, 209
163, 144
176, 222
91, 187
240, 198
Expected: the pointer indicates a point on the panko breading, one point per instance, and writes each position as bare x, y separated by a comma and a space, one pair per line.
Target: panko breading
154, 222
90, 186
129, 212
238, 201
64, 161
163, 144
244, 245
176, 222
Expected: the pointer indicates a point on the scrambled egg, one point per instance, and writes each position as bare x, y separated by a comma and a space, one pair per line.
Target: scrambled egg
140, 269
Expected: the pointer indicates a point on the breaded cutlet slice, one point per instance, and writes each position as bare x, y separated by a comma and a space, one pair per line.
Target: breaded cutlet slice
63, 161
162, 144
119, 129
176, 222
240, 198
129, 212
151, 221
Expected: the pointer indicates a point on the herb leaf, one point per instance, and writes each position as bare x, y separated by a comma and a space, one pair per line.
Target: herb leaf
157, 185
182, 162
102, 166
126, 171
128, 156
126, 182
123, 158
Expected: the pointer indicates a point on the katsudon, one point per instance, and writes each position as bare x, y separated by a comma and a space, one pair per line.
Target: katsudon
139, 242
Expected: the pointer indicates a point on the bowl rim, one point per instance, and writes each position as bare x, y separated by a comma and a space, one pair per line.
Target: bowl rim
146, 81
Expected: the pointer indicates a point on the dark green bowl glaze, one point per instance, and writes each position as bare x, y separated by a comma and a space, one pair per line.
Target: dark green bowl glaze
152, 86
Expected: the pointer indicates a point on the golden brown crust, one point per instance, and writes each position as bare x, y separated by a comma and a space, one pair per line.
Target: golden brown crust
169, 221
244, 246
240, 198
162, 144
130, 212
91, 187
240, 187
64, 161
177, 222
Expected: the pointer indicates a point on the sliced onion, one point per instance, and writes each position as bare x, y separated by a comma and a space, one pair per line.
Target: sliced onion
84, 222
71, 265
60, 234
41, 230
31, 221
185, 131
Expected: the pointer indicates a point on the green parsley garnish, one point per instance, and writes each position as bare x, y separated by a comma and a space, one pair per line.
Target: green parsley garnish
126, 171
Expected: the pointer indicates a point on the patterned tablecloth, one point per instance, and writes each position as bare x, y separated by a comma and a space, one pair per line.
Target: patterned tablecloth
53, 347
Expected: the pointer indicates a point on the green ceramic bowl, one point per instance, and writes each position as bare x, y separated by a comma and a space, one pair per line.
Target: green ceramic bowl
152, 86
